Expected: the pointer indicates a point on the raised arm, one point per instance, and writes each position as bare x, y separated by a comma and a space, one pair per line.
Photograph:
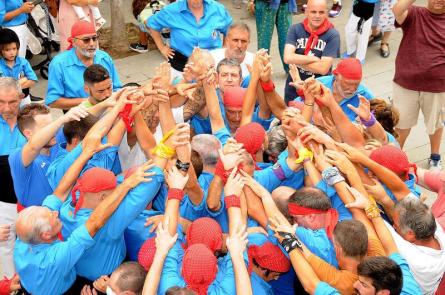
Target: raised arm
232, 193
176, 182
400, 10
216, 118
41, 138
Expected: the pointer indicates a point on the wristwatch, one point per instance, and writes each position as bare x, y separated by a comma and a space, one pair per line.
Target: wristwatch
182, 166
331, 176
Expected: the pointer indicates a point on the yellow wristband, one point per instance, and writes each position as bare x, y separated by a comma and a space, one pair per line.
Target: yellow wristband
304, 154
162, 150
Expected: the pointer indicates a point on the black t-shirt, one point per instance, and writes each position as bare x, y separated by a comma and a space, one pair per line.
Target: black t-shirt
8, 194
328, 45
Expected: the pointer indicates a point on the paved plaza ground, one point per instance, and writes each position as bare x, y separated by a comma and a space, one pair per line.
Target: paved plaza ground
378, 72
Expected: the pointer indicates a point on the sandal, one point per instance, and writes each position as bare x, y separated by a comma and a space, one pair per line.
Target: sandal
375, 38
99, 23
383, 52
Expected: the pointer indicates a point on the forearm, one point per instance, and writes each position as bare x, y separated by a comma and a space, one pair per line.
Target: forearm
235, 218
321, 67
378, 133
194, 104
249, 100
98, 109
312, 172
401, 7
242, 279
255, 207
385, 236
70, 177
144, 136
299, 59
27, 84
82, 2
154, 274
216, 119
276, 103
116, 133
12, 14
304, 271
348, 132
166, 118
264, 111
67, 103
271, 208
172, 215
157, 38
214, 194
105, 209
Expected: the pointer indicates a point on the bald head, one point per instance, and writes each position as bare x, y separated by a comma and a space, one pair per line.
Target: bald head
316, 13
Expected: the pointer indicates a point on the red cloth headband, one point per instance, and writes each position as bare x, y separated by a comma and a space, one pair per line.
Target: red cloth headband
331, 219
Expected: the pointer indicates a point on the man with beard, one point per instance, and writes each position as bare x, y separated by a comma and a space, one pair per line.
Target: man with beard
65, 82
345, 85
30, 162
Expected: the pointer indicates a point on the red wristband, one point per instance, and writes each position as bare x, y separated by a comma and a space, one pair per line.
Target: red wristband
232, 201
221, 172
268, 86
125, 116
300, 93
175, 193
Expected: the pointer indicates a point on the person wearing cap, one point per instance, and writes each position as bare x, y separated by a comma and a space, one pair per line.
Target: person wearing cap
268, 262
65, 77
345, 85
419, 83
312, 45
44, 263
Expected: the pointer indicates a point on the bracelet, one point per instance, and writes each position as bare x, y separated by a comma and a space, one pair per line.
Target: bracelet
290, 242
278, 171
162, 150
268, 86
309, 104
372, 211
232, 201
370, 122
184, 167
332, 176
176, 194
303, 155
125, 116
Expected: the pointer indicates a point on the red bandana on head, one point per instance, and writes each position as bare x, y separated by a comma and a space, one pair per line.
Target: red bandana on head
331, 215
199, 268
313, 38
147, 253
79, 28
268, 256
394, 159
234, 96
350, 68
205, 231
94, 180
252, 137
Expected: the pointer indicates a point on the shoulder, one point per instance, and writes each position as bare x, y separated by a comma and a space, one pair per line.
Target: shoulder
331, 33
102, 55
298, 29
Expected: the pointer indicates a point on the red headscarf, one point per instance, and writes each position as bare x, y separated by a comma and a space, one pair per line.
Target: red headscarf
147, 253
268, 256
199, 268
205, 231
94, 180
234, 96
313, 38
394, 159
331, 215
252, 137
79, 28
350, 68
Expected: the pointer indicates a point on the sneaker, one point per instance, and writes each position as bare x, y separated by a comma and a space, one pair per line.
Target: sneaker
138, 47
434, 165
335, 10
304, 7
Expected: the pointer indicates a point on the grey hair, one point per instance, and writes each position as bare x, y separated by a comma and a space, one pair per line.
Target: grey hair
206, 145
131, 277
417, 217
277, 140
8, 82
239, 25
230, 62
38, 224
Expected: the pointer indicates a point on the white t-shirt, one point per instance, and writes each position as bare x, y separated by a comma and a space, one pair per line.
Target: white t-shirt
178, 115
220, 53
130, 157
426, 264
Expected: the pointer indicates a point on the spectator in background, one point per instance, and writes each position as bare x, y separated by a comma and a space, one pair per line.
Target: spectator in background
382, 25
419, 80
65, 81
192, 23
312, 45
16, 15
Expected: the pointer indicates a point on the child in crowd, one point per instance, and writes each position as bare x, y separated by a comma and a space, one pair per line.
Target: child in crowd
15, 66
142, 10
99, 21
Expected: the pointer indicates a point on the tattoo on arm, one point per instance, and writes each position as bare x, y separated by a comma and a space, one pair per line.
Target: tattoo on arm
195, 104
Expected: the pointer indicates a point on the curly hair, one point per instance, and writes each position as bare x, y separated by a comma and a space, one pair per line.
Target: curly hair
137, 6
387, 115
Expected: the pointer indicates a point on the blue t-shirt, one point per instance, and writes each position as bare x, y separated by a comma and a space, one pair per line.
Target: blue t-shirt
318, 242
21, 69
328, 45
11, 5
66, 75
10, 139
410, 286
2, 11
185, 32
49, 268
30, 183
109, 251
336, 202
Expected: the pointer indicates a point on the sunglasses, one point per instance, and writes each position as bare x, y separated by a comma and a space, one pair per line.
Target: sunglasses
87, 40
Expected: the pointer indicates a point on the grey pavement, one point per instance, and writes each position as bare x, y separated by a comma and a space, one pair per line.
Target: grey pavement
378, 72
